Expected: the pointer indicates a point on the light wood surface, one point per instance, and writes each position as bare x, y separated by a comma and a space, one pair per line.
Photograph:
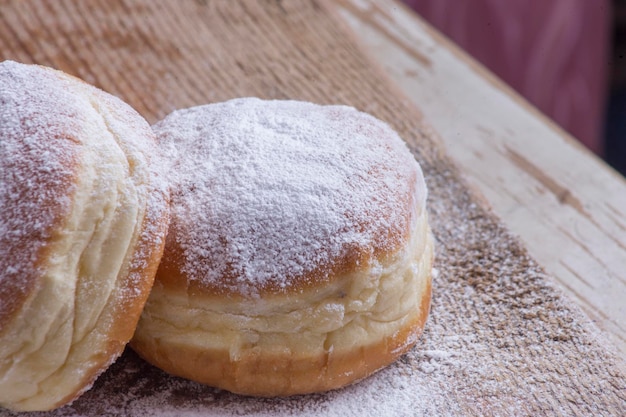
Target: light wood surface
567, 206
500, 339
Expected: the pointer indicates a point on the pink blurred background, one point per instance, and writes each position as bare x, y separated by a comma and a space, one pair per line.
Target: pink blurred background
556, 53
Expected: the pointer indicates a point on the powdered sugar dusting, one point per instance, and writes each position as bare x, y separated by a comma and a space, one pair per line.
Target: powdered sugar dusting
395, 391
46, 117
267, 191
76, 190
37, 154
500, 340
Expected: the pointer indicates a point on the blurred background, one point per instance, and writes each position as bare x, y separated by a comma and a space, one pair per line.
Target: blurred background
567, 57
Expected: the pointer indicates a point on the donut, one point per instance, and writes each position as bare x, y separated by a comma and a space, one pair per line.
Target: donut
299, 254
84, 219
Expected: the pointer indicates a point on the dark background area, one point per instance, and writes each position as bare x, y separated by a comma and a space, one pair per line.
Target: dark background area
615, 133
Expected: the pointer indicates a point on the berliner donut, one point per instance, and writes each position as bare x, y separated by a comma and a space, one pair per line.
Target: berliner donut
299, 254
82, 229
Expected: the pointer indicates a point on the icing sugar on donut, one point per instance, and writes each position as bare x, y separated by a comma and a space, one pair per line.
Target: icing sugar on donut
36, 175
268, 192
84, 217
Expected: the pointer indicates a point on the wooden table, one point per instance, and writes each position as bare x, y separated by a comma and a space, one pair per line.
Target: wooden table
501, 338
567, 205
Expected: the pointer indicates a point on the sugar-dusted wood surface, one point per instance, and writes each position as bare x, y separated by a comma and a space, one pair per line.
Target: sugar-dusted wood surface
501, 339
567, 206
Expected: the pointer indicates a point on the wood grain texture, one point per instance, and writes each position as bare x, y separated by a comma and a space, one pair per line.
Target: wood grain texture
567, 206
501, 340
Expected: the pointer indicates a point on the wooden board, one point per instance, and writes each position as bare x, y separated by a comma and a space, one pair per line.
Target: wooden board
501, 340
567, 206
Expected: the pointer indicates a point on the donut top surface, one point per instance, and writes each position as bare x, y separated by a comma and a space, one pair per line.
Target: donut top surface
47, 120
274, 196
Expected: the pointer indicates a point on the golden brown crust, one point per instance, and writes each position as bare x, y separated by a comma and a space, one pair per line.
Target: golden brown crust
284, 375
191, 335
